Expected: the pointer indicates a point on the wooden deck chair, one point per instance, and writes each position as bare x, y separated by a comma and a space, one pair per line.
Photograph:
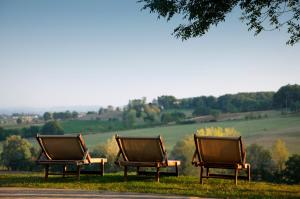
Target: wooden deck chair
220, 152
144, 152
66, 150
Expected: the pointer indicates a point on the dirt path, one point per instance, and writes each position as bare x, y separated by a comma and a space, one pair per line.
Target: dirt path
18, 193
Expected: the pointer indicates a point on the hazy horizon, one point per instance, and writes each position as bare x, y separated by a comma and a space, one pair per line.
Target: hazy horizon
77, 53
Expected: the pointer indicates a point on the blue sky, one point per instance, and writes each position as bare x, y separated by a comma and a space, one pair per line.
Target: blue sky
105, 52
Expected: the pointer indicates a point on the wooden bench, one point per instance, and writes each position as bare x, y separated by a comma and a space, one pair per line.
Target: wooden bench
221, 153
144, 152
66, 150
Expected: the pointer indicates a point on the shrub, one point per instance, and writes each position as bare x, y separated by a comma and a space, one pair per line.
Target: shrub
17, 153
109, 150
262, 166
291, 172
172, 117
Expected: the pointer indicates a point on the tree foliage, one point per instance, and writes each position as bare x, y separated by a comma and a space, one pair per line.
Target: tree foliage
200, 15
287, 97
53, 128
47, 116
280, 154
262, 165
17, 153
292, 170
205, 105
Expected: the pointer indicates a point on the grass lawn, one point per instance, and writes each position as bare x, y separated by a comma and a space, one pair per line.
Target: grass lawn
169, 185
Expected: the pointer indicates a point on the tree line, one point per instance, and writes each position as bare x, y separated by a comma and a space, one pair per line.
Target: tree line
167, 109
51, 127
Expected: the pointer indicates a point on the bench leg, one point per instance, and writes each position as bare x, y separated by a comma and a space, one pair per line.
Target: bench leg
157, 174
207, 172
64, 170
46, 171
138, 170
102, 168
236, 176
176, 170
78, 172
201, 174
125, 173
248, 173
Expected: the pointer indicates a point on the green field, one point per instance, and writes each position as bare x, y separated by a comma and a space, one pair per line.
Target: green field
183, 185
263, 131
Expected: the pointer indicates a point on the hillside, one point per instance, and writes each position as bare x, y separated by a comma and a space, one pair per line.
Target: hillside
263, 131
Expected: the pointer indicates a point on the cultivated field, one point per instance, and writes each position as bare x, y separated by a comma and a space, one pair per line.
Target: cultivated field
263, 131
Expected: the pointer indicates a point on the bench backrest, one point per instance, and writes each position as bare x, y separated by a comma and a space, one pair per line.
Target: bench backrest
219, 150
141, 149
62, 147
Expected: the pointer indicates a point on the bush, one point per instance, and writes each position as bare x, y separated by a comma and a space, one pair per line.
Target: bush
109, 150
262, 165
172, 117
18, 154
291, 172
183, 151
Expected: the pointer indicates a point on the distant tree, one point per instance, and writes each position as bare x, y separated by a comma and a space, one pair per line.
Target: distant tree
74, 114
292, 169
167, 101
262, 165
91, 112
287, 97
2, 133
53, 128
47, 116
32, 131
101, 111
137, 105
67, 115
19, 120
152, 112
16, 154
129, 117
199, 15
279, 154
110, 108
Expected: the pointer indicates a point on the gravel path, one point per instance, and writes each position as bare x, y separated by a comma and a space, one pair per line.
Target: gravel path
69, 193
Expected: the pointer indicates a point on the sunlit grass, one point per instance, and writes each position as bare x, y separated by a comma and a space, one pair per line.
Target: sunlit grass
182, 185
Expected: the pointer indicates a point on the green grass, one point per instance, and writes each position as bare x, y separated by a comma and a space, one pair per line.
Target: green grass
168, 185
83, 126
262, 131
